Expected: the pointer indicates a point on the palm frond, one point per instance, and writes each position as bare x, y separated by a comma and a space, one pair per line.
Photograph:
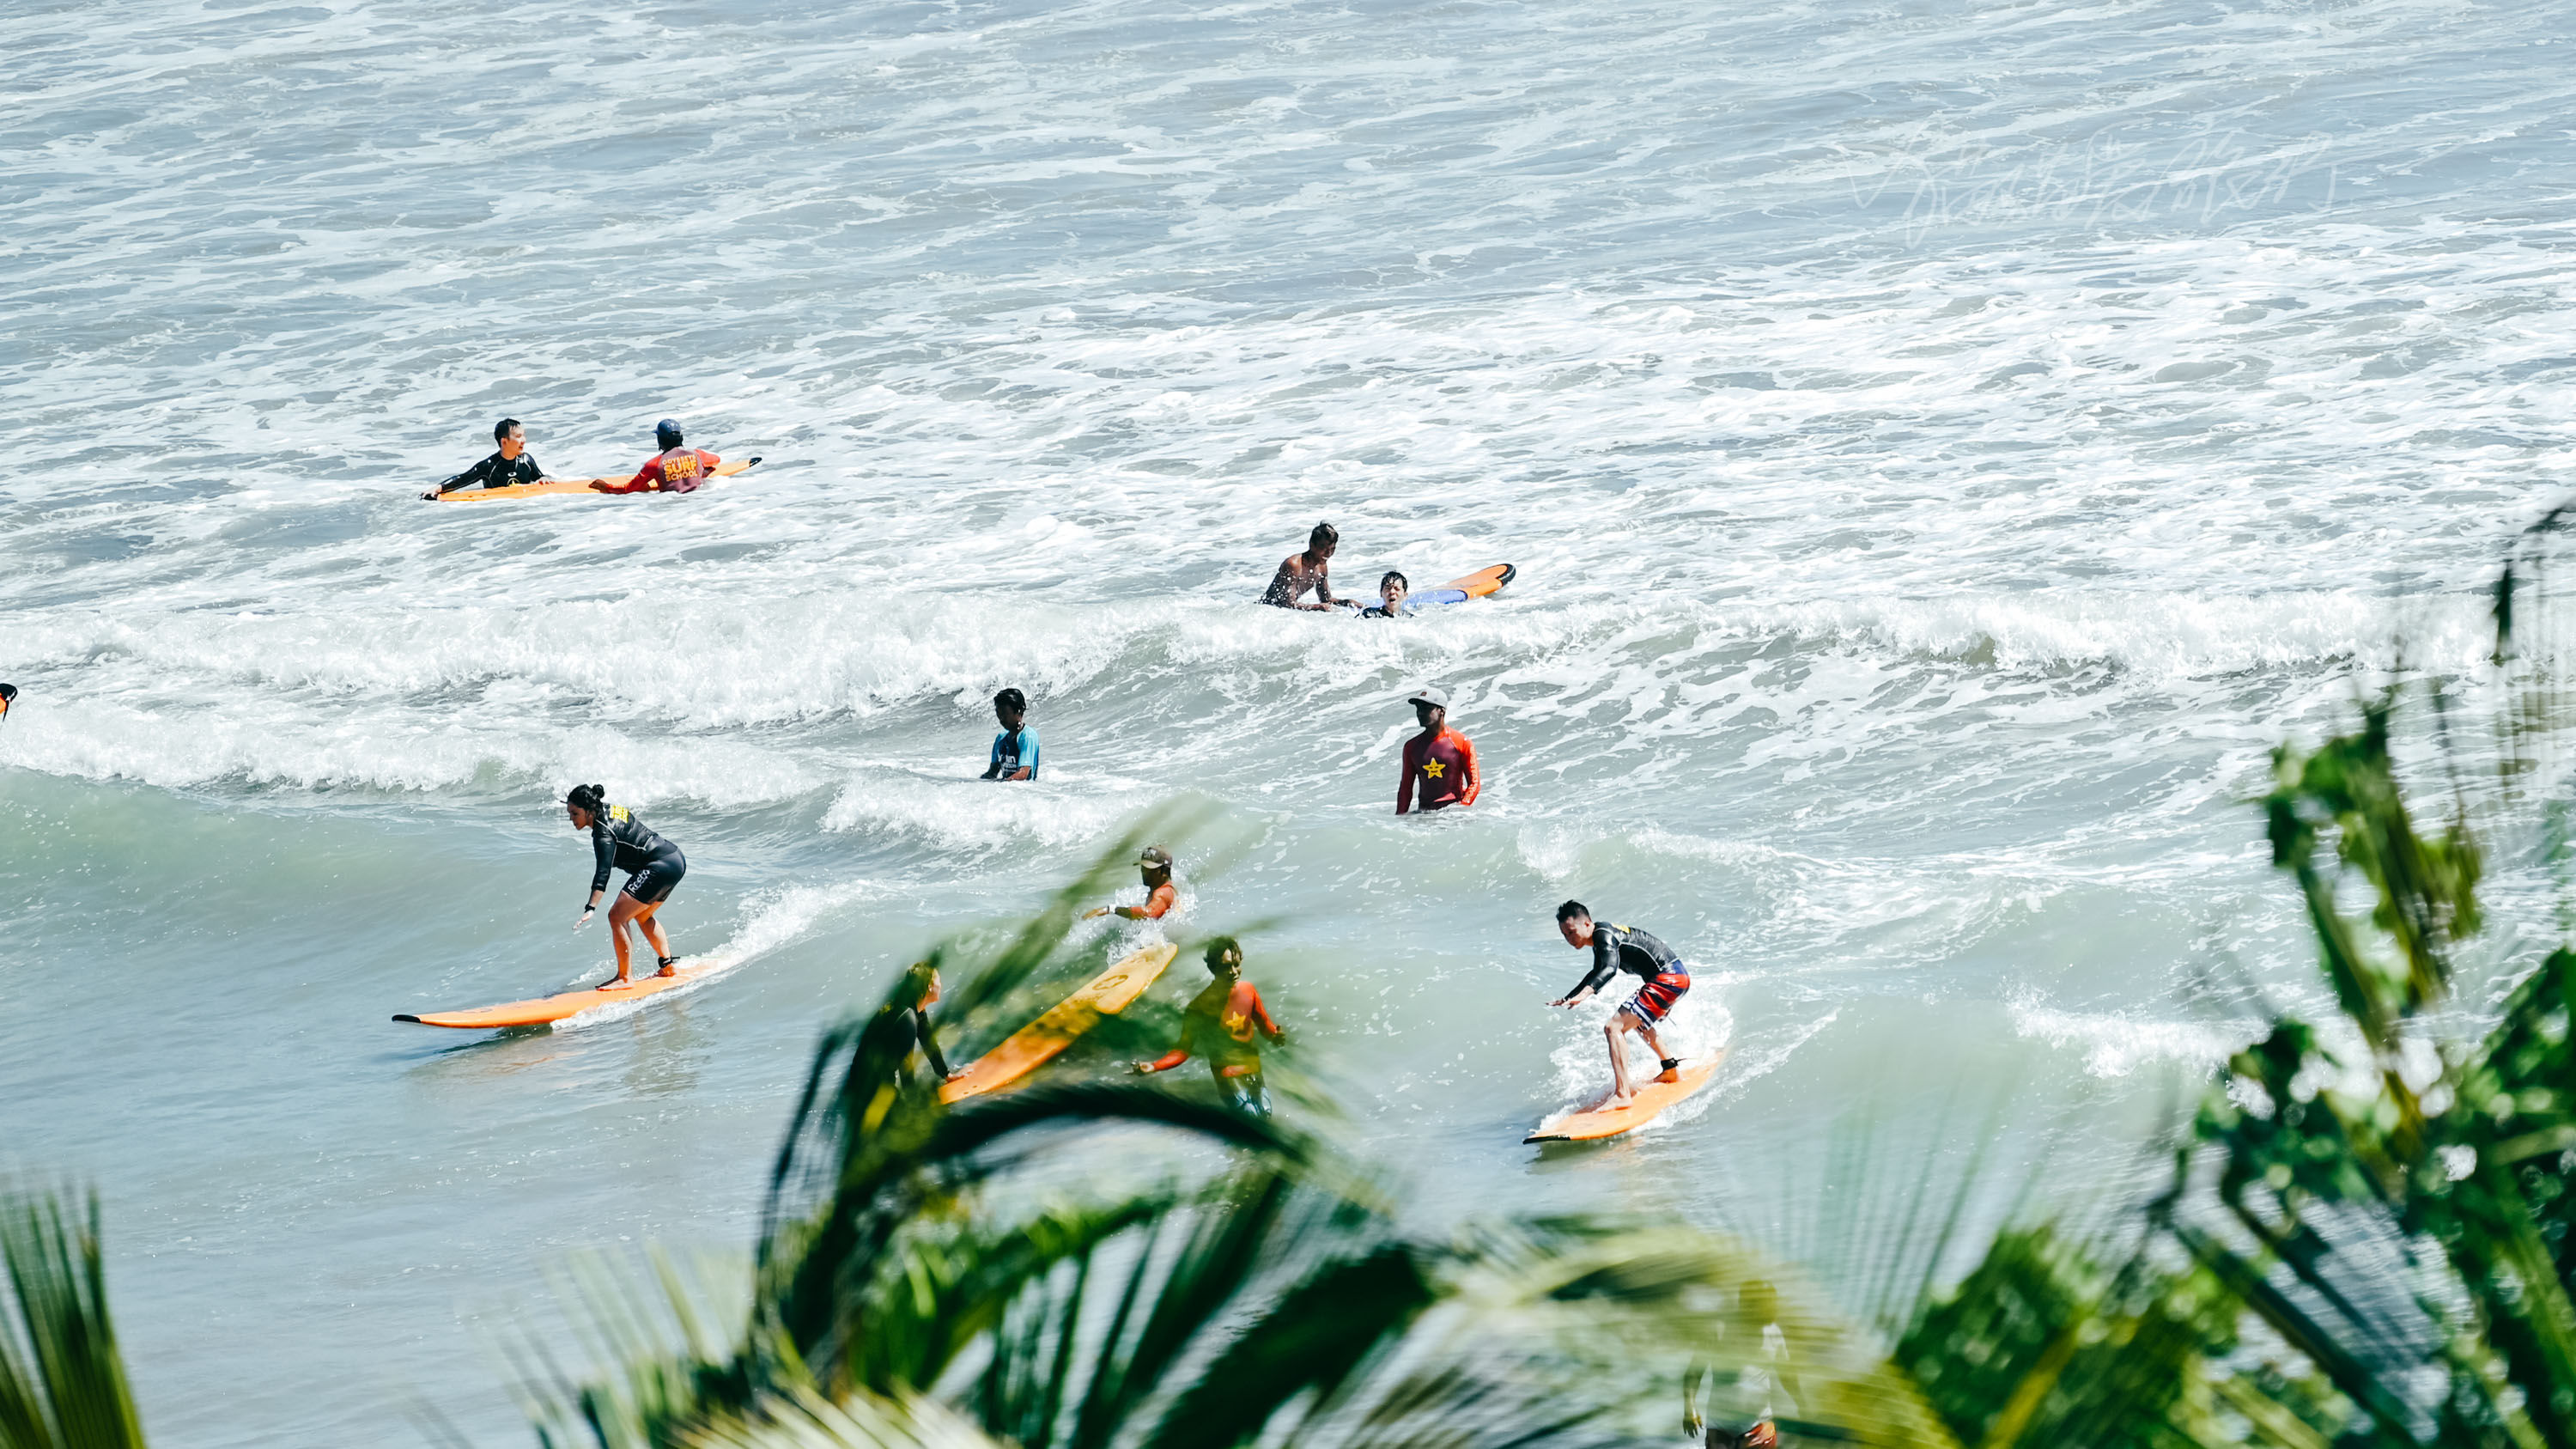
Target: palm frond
62, 1378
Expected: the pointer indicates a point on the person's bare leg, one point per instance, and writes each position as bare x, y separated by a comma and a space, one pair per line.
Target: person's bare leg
1656, 1043
618, 915
648, 919
1620, 1091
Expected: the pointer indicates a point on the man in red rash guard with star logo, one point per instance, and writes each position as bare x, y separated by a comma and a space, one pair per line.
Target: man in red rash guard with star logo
1439, 759
675, 469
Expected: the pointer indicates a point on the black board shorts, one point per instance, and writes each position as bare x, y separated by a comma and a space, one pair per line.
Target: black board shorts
652, 885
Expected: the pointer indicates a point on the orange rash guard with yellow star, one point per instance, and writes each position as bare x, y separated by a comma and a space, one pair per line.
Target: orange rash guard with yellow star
1445, 764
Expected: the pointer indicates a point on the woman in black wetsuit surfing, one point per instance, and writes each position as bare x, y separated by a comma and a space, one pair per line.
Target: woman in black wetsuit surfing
622, 842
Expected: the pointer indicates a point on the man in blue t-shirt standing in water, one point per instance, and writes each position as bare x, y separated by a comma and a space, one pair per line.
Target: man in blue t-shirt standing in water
1015, 749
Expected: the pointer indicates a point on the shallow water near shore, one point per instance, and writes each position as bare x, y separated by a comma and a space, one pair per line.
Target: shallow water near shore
1945, 448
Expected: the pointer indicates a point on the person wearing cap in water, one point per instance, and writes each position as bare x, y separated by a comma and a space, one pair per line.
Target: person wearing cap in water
675, 469
1156, 865
1625, 948
1218, 1025
1299, 572
508, 468
619, 841
1391, 589
1439, 760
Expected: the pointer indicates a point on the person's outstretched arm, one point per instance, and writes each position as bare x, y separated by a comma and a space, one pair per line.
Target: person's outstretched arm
1260, 1013
929, 1042
1166, 1061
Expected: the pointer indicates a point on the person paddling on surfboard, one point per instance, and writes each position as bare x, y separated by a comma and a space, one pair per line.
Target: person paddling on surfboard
621, 842
1218, 1025
1391, 588
675, 469
1439, 760
1299, 572
1156, 866
1625, 948
508, 468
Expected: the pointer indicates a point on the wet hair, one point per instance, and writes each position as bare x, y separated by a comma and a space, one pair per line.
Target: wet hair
1324, 533
1392, 577
916, 984
1012, 700
1220, 948
588, 799
501, 429
1572, 909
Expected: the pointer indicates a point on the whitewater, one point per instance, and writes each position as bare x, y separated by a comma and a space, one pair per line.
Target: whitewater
1945, 447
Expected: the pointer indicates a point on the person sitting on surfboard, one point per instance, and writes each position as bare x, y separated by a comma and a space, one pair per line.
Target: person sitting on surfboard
1218, 1025
1391, 587
1015, 749
507, 468
1625, 948
1299, 572
1156, 865
1440, 759
622, 842
675, 469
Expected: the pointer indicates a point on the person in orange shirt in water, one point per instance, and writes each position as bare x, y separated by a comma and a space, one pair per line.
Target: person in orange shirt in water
1219, 1024
1156, 864
1439, 758
675, 469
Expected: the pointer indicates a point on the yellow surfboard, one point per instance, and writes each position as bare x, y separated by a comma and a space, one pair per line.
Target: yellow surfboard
1601, 1119
598, 486
1039, 1042
555, 1008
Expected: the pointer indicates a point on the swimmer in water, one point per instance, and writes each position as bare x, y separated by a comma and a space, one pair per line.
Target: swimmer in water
1625, 948
508, 468
675, 469
1015, 749
619, 841
1440, 762
1219, 1025
1156, 865
1390, 604
1299, 572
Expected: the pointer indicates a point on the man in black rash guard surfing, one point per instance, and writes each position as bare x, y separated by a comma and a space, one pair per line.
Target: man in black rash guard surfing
508, 468
1625, 948
622, 842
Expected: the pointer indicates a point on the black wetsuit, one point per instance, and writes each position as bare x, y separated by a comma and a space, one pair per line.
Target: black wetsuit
929, 1043
496, 472
622, 842
1625, 948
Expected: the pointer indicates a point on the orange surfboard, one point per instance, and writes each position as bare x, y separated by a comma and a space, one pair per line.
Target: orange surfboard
1483, 581
1604, 1120
1039, 1042
570, 485
555, 1008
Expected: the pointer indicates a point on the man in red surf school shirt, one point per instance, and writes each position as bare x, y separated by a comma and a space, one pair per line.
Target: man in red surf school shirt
1439, 760
675, 469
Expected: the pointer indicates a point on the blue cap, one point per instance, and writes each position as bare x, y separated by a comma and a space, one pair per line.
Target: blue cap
667, 432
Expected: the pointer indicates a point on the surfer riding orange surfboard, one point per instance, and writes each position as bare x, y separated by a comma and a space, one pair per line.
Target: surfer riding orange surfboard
619, 841
1625, 948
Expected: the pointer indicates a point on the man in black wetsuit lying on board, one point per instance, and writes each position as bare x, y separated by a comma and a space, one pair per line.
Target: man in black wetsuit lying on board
1625, 948
507, 468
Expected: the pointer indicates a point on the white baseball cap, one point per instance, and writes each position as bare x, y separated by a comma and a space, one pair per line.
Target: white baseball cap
1429, 694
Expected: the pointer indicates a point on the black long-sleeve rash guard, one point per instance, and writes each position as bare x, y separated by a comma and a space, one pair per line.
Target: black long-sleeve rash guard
622, 842
1624, 948
929, 1043
496, 472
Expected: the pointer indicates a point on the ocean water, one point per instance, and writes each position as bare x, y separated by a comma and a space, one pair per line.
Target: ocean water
1945, 446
